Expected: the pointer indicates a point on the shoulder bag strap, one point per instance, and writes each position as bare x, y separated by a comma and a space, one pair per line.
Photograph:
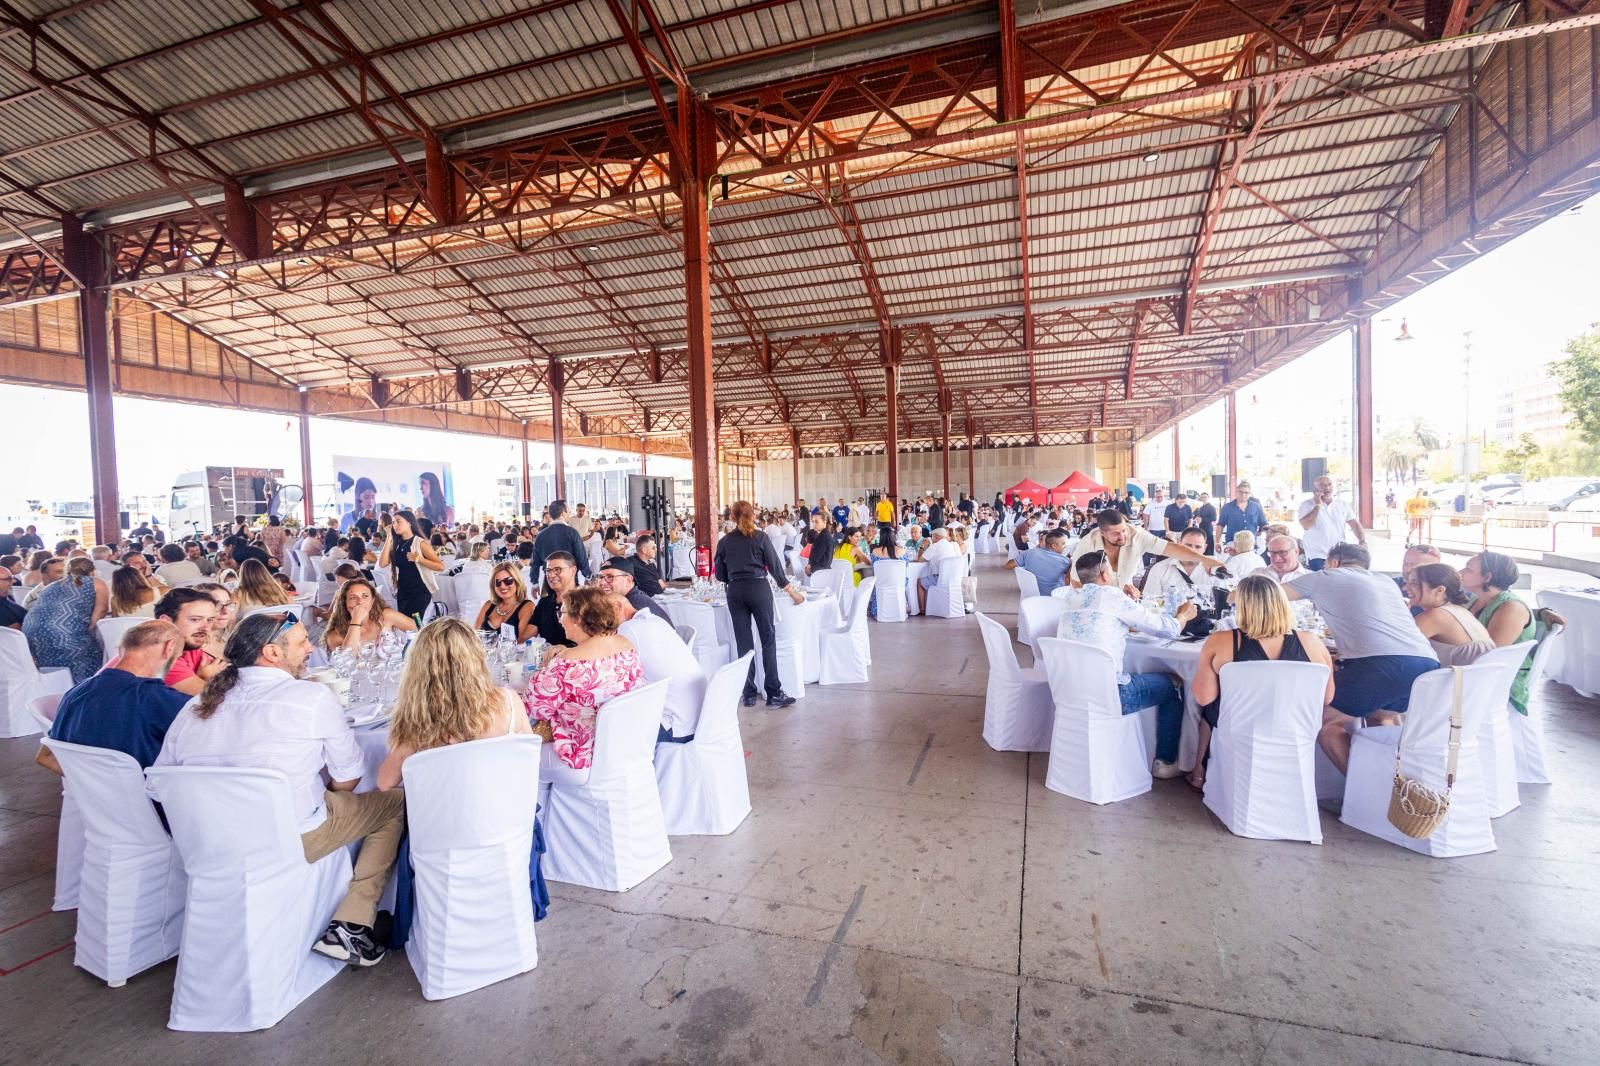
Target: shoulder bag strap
1455, 733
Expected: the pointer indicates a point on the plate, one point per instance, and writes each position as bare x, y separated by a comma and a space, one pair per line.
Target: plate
366, 714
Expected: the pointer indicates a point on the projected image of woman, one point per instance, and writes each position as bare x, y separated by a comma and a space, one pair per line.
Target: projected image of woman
366, 499
435, 508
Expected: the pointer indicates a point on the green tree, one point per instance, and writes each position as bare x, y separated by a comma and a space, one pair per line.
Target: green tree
1523, 453
1398, 454
1579, 377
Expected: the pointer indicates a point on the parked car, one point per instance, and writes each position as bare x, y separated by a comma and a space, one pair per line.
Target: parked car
1558, 493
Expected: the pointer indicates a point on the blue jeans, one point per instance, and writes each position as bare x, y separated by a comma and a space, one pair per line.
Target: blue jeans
1144, 690
1316, 564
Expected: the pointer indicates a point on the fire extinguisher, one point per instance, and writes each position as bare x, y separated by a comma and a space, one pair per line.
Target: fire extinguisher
702, 561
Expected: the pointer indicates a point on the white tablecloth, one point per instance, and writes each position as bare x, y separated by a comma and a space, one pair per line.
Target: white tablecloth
803, 623
1148, 655
1575, 659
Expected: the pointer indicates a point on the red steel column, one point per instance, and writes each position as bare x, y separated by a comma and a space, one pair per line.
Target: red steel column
972, 477
794, 461
305, 459
693, 189
891, 415
1177, 460
1233, 438
944, 429
527, 480
558, 434
644, 457
85, 261
1363, 385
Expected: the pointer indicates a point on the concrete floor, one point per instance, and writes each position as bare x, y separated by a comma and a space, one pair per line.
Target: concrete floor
903, 894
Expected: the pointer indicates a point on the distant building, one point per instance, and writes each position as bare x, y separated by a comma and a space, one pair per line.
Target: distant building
1533, 407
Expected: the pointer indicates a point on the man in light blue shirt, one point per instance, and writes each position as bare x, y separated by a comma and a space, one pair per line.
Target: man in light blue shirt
1048, 563
1242, 512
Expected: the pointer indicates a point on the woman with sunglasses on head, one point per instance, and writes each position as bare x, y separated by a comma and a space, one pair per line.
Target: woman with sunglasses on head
508, 603
360, 617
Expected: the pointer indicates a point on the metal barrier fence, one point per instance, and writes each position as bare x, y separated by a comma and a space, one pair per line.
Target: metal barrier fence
1483, 532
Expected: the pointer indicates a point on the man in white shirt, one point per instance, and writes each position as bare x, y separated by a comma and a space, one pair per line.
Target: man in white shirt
1126, 545
175, 570
1096, 612
664, 656
255, 713
104, 567
1325, 519
1182, 579
1283, 560
940, 550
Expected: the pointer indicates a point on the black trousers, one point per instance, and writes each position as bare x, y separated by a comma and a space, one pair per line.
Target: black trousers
752, 599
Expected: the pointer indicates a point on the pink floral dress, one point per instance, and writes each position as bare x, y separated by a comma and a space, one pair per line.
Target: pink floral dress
567, 692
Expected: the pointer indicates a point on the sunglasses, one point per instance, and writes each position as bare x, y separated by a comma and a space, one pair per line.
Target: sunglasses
505, 583
290, 620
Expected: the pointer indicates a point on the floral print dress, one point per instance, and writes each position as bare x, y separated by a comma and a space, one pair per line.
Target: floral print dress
567, 693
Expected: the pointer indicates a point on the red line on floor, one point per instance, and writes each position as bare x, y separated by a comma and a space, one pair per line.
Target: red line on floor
24, 922
36, 958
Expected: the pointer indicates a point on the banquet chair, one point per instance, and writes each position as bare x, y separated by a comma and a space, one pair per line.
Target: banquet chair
1097, 753
703, 786
688, 635
471, 591
1527, 730
1424, 739
608, 832
846, 650
1017, 709
944, 597
1040, 616
682, 562
1027, 589
794, 665
702, 618
69, 826
891, 583
382, 579
21, 682
469, 811
130, 897
1261, 781
254, 907
837, 580
1496, 747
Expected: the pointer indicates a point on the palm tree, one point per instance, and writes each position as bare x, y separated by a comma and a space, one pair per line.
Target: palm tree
1399, 452
1426, 436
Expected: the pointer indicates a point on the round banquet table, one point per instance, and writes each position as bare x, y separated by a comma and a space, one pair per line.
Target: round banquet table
797, 626
1575, 659
1148, 655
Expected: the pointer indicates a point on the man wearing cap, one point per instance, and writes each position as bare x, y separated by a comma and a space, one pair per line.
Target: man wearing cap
616, 574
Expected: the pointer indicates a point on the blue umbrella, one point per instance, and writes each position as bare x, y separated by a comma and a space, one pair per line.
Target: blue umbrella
1135, 491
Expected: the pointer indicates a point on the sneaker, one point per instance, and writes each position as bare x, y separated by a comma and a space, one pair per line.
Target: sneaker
750, 699
1165, 770
780, 700
350, 944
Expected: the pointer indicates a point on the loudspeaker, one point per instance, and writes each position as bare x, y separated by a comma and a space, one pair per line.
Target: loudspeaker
1150, 490
1174, 490
649, 502
1310, 470
1219, 484
124, 519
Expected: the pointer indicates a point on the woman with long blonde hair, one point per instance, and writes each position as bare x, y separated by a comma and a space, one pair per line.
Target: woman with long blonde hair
359, 616
446, 697
131, 594
258, 588
508, 603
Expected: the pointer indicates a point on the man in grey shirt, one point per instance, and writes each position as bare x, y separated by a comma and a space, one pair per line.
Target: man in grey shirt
1381, 650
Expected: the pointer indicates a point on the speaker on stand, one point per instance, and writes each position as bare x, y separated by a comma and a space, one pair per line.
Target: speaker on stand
1310, 470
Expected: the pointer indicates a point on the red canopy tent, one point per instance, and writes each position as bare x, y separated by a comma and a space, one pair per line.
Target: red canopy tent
1076, 489
1028, 489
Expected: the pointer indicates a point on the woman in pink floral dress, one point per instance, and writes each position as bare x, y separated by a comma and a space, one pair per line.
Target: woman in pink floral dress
568, 692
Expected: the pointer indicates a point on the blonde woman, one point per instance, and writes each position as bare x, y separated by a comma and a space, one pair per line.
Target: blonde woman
360, 617
131, 594
1264, 632
258, 588
446, 697
508, 603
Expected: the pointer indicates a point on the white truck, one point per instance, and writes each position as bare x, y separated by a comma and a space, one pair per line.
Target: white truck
204, 499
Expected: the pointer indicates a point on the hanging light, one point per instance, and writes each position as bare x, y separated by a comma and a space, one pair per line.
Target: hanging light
789, 179
1405, 332
1151, 156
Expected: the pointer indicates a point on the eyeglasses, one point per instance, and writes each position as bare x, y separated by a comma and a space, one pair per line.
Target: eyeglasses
1280, 552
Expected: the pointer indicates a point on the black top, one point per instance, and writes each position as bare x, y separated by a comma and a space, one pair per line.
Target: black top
241, 552
548, 621
8, 544
330, 540
408, 584
558, 537
518, 619
935, 517
742, 557
647, 576
1178, 516
1249, 650
640, 602
30, 541
11, 612
367, 527
822, 548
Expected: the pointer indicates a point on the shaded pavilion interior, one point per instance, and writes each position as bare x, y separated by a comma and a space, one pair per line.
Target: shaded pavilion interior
762, 228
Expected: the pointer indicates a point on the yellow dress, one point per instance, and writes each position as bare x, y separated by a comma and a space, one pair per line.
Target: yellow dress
846, 553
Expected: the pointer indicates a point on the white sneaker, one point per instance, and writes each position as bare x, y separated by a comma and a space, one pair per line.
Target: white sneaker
1165, 770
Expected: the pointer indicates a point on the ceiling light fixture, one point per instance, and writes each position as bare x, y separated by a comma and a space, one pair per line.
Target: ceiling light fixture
1405, 332
789, 179
594, 247
1151, 156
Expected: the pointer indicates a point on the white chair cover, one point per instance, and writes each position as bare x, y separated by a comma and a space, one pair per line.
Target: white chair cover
1424, 750
1018, 712
836, 579
609, 833
1496, 748
255, 906
944, 597
21, 683
1527, 730
703, 786
1097, 753
69, 826
682, 561
711, 653
111, 631
130, 899
846, 653
688, 635
891, 577
469, 809
1041, 617
1262, 780
1027, 589
471, 592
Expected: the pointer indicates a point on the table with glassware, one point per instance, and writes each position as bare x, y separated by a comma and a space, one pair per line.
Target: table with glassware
1575, 658
800, 625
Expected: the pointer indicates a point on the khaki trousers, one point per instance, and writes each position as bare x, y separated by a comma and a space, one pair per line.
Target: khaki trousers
377, 819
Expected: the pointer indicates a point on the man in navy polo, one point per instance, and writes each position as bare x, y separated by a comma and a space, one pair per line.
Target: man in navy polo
1242, 512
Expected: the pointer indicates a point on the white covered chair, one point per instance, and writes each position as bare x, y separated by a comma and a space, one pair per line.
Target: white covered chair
1496, 745
944, 597
1027, 589
703, 785
702, 618
130, 897
1262, 778
69, 826
255, 906
470, 810
609, 832
1527, 730
111, 631
1424, 755
1018, 712
1041, 617
682, 562
846, 651
1097, 753
21, 683
891, 578
471, 592
837, 580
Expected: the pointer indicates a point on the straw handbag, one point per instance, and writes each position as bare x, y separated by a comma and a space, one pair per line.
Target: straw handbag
1414, 808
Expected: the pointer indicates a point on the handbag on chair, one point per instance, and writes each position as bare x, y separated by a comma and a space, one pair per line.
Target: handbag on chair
1415, 808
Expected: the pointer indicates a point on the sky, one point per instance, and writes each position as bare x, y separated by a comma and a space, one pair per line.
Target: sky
1521, 302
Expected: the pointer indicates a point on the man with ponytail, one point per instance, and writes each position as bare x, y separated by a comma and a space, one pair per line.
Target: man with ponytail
256, 713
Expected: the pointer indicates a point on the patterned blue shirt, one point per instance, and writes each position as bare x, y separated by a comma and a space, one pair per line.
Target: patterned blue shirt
1101, 615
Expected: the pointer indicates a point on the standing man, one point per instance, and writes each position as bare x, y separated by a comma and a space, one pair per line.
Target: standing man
935, 514
1179, 517
1205, 517
558, 536
841, 514
1242, 512
1416, 513
1324, 520
884, 511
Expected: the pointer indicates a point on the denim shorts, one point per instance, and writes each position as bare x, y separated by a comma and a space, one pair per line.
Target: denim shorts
1377, 682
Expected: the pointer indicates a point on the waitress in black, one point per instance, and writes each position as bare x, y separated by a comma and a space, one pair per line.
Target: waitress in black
407, 553
745, 557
